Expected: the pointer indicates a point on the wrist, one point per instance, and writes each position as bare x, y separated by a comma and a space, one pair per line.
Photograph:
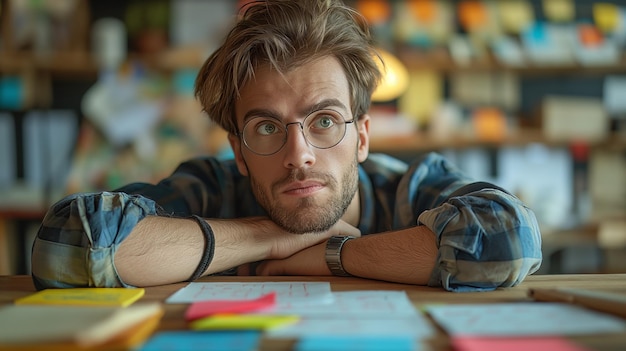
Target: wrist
334, 246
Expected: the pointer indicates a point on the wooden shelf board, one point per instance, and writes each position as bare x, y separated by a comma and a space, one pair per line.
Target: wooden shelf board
425, 142
440, 60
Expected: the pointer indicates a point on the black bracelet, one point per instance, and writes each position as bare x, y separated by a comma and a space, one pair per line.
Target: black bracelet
209, 248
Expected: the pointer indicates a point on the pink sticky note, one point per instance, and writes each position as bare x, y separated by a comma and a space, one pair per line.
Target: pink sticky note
202, 309
514, 344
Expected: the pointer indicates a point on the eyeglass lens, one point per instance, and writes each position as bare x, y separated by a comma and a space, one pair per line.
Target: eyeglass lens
322, 129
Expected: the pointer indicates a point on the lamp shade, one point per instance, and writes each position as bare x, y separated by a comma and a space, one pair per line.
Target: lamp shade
395, 77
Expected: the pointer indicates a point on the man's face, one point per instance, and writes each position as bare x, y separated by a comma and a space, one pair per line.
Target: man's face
303, 188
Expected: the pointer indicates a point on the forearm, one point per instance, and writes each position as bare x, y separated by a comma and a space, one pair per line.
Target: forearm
162, 250
115, 239
404, 256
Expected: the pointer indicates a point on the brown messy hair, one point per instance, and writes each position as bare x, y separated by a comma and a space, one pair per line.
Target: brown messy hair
287, 34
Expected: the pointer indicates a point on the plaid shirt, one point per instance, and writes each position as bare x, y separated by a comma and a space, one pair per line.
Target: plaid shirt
487, 238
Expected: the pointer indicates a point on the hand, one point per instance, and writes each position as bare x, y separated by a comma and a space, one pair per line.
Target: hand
288, 244
310, 261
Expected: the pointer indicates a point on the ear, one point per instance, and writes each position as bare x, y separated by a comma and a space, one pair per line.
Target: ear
363, 127
235, 144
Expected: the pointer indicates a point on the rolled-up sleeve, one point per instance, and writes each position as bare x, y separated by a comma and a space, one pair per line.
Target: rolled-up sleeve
487, 239
77, 240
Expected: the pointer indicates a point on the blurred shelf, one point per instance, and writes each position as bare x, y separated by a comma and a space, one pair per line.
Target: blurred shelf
21, 201
422, 142
191, 57
59, 63
81, 64
440, 60
22, 213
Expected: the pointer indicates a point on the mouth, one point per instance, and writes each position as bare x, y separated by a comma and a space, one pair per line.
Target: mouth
303, 188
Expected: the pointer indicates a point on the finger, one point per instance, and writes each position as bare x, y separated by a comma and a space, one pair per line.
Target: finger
342, 228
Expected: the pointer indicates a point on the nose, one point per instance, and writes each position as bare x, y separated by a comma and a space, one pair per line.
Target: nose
298, 152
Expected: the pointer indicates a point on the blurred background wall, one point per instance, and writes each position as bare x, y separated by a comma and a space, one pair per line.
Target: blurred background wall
528, 94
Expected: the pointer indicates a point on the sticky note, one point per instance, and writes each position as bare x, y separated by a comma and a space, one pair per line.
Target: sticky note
242, 322
356, 343
192, 340
514, 344
84, 297
202, 309
28, 326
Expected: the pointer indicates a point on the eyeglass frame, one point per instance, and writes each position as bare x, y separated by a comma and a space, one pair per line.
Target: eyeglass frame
240, 134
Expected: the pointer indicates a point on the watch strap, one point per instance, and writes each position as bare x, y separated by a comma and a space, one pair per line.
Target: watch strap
333, 254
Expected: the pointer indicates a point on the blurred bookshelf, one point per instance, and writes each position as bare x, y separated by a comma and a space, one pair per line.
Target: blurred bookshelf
52, 75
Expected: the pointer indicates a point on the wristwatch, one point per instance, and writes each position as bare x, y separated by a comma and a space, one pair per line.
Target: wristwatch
333, 254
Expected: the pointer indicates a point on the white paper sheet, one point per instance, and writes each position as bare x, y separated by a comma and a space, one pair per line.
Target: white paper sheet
287, 293
520, 319
323, 313
358, 313
415, 327
363, 304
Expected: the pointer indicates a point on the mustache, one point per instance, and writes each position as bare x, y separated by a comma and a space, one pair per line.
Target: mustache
300, 175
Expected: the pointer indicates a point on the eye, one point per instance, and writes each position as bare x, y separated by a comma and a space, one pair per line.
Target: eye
324, 121
267, 127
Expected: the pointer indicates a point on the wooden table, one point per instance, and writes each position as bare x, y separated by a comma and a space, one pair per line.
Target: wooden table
13, 287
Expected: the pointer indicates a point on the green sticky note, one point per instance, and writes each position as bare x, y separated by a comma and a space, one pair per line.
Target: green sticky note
242, 322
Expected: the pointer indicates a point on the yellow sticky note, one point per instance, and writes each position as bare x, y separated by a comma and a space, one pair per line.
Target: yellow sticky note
242, 322
84, 297
559, 10
515, 15
606, 16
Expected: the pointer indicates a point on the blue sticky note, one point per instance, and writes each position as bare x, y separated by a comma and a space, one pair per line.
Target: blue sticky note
198, 340
357, 343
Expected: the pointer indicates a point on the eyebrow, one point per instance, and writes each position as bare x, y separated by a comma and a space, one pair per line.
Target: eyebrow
324, 104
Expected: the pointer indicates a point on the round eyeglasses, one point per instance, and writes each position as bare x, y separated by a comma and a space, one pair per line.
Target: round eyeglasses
266, 136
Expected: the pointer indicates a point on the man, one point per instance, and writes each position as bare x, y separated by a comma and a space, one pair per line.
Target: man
292, 85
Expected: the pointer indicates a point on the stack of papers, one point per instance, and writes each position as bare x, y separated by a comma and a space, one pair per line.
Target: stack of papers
317, 317
523, 319
521, 326
72, 327
78, 319
320, 319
